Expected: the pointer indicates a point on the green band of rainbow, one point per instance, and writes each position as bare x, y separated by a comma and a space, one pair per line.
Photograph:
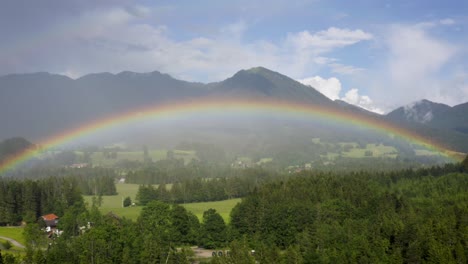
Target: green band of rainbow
210, 105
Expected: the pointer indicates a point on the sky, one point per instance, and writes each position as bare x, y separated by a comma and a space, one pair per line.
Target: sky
375, 54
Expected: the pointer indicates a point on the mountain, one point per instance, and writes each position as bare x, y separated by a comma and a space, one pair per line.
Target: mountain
38, 105
423, 112
439, 121
433, 115
260, 82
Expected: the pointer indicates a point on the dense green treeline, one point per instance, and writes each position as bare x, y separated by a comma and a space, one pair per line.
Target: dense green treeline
174, 170
190, 190
360, 217
161, 234
407, 216
26, 200
92, 181
234, 183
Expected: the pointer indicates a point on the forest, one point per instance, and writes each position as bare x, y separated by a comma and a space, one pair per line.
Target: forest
405, 216
29, 198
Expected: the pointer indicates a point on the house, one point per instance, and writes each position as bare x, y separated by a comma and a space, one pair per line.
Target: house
51, 221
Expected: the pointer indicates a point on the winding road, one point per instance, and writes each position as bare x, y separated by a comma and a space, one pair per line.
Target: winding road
12, 241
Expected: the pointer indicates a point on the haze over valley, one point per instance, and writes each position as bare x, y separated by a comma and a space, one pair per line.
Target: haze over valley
45, 105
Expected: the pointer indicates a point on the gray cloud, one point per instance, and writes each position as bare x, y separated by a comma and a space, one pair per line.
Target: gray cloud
120, 36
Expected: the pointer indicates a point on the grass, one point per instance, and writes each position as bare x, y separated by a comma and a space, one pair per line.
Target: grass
222, 207
131, 213
114, 203
377, 151
13, 249
15, 233
264, 160
98, 159
123, 190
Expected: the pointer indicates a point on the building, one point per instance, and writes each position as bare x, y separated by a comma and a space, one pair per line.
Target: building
51, 221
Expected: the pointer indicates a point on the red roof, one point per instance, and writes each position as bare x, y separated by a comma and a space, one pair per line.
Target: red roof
49, 217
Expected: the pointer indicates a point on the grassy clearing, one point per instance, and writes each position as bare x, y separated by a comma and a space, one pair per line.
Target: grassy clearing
15, 233
114, 203
13, 249
98, 158
123, 190
222, 207
377, 151
264, 160
131, 213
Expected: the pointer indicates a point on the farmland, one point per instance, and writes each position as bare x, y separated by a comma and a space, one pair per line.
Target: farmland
114, 203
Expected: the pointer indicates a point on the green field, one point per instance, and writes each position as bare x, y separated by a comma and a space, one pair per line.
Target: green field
114, 203
98, 158
222, 207
377, 151
15, 233
13, 249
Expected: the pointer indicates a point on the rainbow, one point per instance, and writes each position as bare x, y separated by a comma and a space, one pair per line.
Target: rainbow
220, 106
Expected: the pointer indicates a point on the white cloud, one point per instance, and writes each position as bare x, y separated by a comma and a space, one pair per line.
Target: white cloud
331, 87
416, 68
305, 47
415, 54
326, 40
363, 101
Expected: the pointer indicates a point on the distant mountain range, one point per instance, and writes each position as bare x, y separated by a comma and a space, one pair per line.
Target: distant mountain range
433, 115
38, 105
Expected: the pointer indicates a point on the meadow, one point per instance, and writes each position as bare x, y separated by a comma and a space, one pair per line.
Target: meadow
15, 233
113, 203
98, 158
376, 150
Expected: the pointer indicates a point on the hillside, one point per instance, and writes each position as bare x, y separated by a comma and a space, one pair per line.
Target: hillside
439, 121
38, 105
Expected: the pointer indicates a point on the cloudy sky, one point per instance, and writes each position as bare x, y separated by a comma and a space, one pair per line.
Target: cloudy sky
376, 54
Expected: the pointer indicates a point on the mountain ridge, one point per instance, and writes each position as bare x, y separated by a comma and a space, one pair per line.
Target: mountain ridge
37, 105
